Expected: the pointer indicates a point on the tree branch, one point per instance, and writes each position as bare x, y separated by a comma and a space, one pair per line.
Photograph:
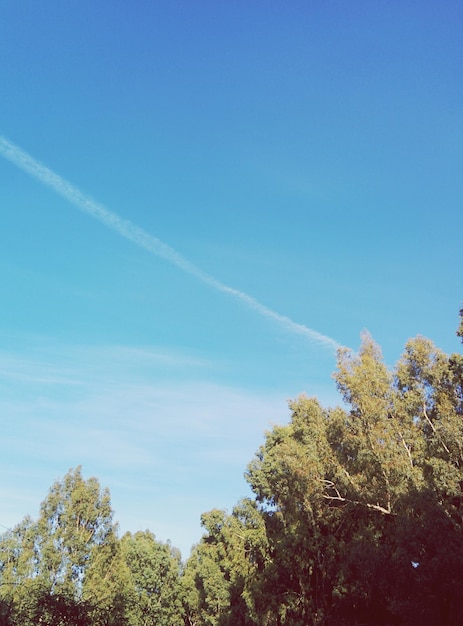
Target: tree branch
434, 429
374, 507
339, 498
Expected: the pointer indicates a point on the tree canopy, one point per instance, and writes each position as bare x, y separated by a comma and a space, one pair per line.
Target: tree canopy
356, 518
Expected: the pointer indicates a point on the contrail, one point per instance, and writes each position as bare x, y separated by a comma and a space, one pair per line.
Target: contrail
141, 238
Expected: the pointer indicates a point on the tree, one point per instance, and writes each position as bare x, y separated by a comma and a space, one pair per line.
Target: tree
352, 498
154, 588
220, 575
288, 477
20, 591
65, 568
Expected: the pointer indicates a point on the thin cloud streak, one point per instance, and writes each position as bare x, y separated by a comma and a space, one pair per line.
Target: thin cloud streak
152, 244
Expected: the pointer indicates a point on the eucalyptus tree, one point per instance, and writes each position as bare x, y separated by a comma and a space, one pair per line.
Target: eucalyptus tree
356, 500
65, 568
153, 592
219, 581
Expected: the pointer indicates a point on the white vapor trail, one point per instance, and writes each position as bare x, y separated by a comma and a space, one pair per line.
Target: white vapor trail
141, 238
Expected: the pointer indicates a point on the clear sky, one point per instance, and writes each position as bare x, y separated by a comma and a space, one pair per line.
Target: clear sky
305, 157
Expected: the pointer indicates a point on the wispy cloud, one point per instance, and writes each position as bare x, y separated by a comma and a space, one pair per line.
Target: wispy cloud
152, 244
156, 438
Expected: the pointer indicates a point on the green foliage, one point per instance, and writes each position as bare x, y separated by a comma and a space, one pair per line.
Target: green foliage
352, 499
49, 573
154, 588
69, 568
53, 570
357, 518
220, 575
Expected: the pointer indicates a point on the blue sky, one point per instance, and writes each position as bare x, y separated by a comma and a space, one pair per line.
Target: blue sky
307, 155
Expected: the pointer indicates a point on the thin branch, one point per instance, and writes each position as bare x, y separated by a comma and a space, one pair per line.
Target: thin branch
338, 498
374, 507
434, 429
407, 448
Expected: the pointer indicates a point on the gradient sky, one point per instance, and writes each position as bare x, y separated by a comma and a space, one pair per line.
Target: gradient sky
306, 154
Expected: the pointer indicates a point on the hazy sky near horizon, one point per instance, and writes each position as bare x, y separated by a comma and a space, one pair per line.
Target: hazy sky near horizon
301, 165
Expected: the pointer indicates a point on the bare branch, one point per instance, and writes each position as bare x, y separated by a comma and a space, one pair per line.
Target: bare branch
407, 448
434, 429
374, 507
